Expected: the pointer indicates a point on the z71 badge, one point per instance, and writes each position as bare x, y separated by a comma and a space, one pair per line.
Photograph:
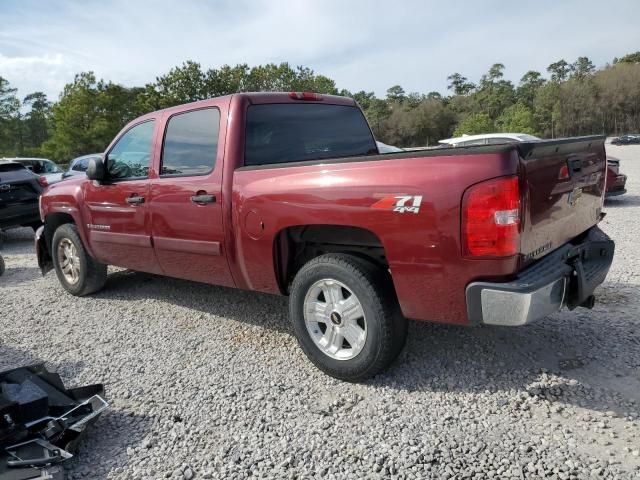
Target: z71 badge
399, 203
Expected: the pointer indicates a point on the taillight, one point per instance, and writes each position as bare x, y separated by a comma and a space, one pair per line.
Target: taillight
43, 181
491, 218
310, 96
564, 173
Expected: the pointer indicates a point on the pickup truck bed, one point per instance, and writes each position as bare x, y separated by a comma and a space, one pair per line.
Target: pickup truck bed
287, 194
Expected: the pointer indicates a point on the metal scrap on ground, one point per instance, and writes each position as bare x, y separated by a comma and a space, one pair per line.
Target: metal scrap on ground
41, 421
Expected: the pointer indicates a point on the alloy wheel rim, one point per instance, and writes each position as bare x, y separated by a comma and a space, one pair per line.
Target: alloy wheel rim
69, 261
335, 319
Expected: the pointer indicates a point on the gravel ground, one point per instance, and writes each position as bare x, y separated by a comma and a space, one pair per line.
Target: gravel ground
209, 382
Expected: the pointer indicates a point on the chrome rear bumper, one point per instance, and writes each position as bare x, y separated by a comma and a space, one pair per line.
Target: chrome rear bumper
566, 277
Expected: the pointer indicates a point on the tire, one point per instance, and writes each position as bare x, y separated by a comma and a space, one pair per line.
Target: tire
351, 339
1, 265
90, 275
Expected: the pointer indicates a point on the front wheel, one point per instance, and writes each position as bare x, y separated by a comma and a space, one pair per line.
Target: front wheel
345, 316
77, 272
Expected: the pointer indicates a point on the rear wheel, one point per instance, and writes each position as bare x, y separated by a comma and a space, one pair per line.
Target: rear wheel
345, 316
78, 273
1, 265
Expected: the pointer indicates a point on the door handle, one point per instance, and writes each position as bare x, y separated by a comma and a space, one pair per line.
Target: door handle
203, 198
134, 200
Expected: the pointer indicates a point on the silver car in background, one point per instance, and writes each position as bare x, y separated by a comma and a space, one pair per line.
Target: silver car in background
79, 165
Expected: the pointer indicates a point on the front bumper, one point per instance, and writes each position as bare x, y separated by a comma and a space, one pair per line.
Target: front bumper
566, 277
42, 252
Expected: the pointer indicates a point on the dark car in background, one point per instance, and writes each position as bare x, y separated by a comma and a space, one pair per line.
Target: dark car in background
628, 139
20, 190
79, 165
41, 167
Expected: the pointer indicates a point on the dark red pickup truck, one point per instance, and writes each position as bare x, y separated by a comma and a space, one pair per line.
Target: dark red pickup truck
288, 194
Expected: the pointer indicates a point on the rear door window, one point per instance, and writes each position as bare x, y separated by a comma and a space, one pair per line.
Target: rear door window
191, 143
281, 133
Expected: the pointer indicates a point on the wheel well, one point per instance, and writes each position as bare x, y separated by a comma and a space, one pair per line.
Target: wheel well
51, 224
295, 246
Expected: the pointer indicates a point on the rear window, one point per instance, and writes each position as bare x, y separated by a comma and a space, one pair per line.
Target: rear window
11, 167
281, 133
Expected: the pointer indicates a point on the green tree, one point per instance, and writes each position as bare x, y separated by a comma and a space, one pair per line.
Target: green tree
529, 85
517, 118
630, 58
546, 108
364, 99
459, 84
475, 123
396, 94
36, 120
582, 68
494, 94
87, 116
559, 70
378, 111
421, 125
11, 138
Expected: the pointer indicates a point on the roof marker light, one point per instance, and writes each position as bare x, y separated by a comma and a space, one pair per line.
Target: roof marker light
309, 96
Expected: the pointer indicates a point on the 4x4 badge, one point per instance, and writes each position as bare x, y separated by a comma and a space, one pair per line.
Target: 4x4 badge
399, 203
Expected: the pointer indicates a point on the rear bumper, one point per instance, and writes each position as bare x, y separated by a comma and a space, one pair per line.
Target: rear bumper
19, 214
566, 277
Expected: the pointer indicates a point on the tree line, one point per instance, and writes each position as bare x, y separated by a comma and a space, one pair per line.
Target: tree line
572, 99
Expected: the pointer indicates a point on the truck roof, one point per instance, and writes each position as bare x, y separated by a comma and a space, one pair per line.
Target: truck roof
262, 98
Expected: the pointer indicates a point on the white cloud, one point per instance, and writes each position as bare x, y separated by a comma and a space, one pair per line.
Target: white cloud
368, 45
45, 73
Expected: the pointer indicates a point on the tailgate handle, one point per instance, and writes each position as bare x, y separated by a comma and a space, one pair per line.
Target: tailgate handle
575, 166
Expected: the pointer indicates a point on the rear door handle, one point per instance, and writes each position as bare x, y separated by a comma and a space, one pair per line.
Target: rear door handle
203, 198
134, 200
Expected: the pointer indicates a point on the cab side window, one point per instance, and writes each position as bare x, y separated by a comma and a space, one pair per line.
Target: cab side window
131, 155
191, 143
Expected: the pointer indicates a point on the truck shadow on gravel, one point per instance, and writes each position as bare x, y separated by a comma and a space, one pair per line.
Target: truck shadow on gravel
582, 358
14, 276
103, 449
622, 201
578, 358
260, 309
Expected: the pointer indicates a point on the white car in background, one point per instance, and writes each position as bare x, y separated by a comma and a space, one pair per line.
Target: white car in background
42, 167
487, 139
384, 148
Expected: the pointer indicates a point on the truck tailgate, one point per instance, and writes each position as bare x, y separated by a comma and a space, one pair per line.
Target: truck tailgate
564, 184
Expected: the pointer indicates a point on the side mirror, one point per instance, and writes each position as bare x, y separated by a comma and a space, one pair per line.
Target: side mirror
96, 169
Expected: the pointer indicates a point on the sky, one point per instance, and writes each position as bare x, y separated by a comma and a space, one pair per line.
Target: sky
362, 45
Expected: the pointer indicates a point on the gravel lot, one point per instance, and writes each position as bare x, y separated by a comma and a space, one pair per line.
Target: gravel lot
209, 382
